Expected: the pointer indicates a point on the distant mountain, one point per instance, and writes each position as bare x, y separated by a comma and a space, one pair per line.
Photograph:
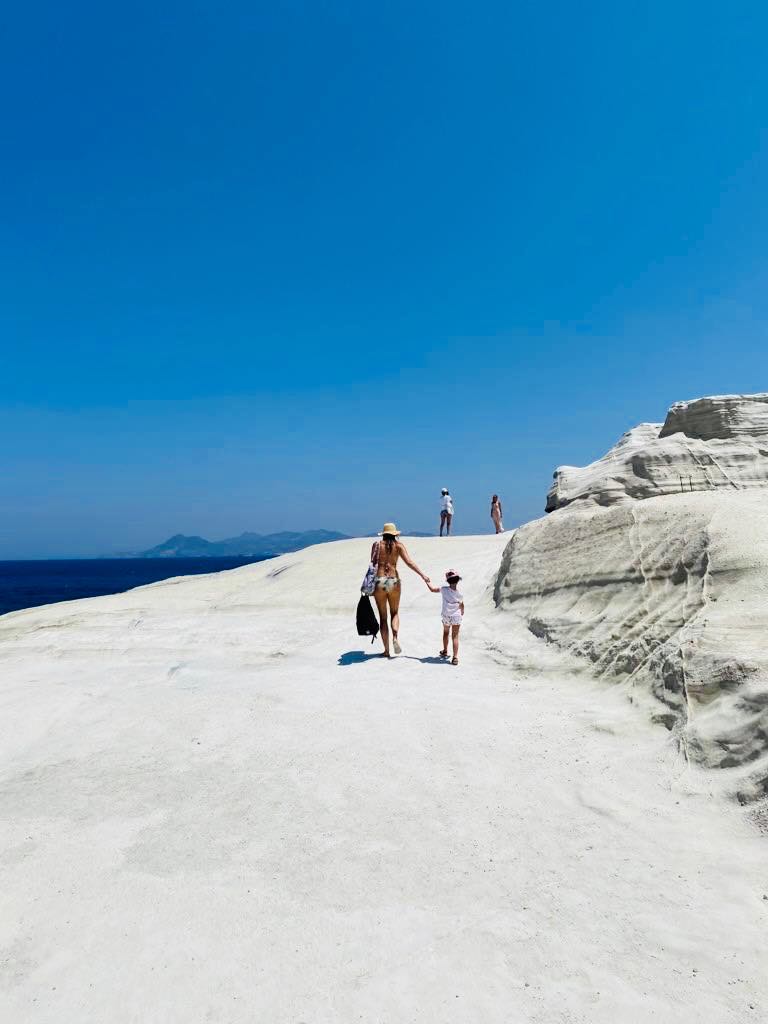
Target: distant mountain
407, 533
252, 544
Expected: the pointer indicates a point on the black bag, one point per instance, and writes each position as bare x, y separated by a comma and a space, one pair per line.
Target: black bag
367, 623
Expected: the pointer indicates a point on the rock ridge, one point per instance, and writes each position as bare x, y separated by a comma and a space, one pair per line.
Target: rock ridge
702, 445
664, 589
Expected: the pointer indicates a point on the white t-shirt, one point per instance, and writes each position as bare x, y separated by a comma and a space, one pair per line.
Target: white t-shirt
447, 504
452, 600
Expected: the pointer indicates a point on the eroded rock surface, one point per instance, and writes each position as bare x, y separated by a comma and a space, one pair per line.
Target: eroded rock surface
720, 417
665, 589
703, 445
217, 805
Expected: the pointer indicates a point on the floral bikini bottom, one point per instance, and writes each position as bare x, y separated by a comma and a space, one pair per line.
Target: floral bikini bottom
386, 583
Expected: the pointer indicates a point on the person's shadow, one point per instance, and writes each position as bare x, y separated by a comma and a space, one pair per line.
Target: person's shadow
358, 657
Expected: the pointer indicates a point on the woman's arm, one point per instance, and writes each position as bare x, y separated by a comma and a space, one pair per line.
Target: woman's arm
375, 553
410, 562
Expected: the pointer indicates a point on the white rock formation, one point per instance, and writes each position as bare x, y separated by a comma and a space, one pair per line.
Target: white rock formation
667, 595
707, 444
720, 417
215, 807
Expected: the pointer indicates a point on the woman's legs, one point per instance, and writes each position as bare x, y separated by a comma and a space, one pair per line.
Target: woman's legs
380, 597
448, 518
443, 517
497, 522
388, 605
393, 596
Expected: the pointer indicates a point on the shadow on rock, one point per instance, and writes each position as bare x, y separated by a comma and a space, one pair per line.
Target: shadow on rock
357, 657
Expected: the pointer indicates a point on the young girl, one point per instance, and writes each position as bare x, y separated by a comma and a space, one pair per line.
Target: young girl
452, 612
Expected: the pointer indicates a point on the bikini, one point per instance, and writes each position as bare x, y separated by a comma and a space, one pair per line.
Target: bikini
387, 583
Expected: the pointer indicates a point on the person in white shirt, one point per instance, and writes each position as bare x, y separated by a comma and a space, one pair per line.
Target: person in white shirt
452, 612
446, 512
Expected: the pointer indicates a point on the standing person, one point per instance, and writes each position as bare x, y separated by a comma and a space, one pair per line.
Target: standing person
452, 612
496, 514
446, 512
386, 591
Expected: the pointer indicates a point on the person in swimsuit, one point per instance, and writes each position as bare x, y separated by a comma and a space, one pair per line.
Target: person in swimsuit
496, 514
384, 555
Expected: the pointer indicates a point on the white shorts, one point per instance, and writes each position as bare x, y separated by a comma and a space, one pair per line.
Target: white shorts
452, 620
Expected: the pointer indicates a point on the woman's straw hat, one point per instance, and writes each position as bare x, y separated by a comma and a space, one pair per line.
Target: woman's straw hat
389, 528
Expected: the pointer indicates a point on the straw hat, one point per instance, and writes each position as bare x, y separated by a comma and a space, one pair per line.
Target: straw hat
389, 528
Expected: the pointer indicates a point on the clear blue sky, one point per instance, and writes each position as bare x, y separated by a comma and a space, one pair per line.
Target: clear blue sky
295, 265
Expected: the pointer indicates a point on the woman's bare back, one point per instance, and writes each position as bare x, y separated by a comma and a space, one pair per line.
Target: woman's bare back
386, 558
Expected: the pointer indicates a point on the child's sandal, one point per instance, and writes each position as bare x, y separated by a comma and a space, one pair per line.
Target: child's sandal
454, 661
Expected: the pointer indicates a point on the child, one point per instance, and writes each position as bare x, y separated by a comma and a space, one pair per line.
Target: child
452, 612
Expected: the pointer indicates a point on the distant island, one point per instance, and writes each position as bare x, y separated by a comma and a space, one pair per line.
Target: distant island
254, 545
251, 545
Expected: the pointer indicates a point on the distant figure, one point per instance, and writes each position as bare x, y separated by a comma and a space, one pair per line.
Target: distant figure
446, 512
496, 514
386, 592
452, 612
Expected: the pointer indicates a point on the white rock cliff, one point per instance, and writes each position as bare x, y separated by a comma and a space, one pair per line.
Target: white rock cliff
703, 445
662, 587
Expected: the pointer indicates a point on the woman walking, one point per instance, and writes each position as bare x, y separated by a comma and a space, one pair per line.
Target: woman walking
496, 514
384, 555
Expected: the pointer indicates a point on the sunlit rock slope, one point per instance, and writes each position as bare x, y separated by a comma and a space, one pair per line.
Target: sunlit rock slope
217, 805
664, 589
703, 445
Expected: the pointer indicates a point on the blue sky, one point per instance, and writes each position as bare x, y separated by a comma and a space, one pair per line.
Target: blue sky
301, 265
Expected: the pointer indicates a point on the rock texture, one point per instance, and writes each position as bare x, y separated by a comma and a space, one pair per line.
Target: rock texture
703, 445
217, 805
666, 596
719, 418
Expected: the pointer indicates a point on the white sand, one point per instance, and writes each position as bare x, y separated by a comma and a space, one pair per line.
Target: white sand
206, 817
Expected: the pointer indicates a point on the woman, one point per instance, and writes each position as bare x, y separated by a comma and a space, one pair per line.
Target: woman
384, 555
496, 514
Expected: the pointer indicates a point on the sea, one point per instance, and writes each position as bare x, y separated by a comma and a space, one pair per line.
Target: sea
27, 584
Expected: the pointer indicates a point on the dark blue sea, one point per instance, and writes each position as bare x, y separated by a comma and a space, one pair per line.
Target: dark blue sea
28, 584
